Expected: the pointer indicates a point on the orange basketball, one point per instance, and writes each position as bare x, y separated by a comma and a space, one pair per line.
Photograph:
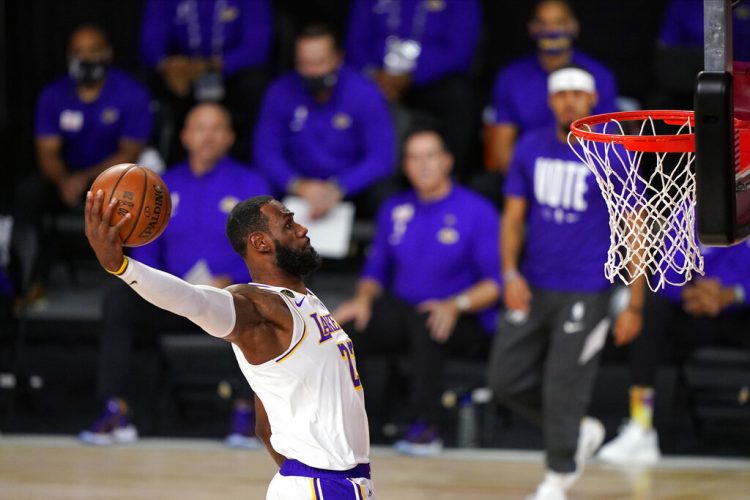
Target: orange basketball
141, 193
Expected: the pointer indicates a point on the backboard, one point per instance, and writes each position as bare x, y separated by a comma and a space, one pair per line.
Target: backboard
722, 124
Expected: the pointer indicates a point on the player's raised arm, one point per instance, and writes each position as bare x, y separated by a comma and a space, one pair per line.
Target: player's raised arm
213, 309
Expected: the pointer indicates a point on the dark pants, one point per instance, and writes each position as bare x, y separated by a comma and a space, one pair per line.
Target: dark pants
669, 333
243, 93
35, 197
451, 101
129, 321
396, 329
544, 366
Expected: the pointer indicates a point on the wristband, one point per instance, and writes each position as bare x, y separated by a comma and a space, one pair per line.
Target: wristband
635, 309
739, 294
463, 303
122, 267
511, 275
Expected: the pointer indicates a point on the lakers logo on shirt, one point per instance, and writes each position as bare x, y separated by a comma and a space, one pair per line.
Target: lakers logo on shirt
229, 14
341, 121
327, 326
110, 115
227, 203
448, 236
434, 5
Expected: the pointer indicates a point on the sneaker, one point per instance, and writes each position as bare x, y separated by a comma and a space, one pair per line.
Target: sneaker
243, 429
552, 488
420, 440
112, 427
590, 438
634, 445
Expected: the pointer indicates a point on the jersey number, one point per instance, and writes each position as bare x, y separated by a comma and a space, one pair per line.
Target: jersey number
346, 349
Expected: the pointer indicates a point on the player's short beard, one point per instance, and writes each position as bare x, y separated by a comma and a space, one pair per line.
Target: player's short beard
297, 262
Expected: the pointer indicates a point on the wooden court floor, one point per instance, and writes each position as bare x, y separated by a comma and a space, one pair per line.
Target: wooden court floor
59, 468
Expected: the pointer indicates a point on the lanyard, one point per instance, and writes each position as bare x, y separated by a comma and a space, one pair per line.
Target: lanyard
194, 27
393, 8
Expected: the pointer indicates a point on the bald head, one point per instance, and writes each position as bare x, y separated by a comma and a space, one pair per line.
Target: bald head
207, 136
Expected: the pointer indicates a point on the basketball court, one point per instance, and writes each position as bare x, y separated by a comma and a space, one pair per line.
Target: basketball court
60, 468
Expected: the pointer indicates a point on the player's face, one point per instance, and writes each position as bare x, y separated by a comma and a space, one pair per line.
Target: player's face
570, 105
316, 56
207, 135
294, 253
89, 45
427, 164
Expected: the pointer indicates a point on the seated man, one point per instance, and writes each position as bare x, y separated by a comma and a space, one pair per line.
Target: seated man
209, 50
709, 310
94, 117
420, 54
519, 95
324, 131
430, 285
204, 190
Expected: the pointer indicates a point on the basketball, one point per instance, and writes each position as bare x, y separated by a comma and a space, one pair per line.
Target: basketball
141, 193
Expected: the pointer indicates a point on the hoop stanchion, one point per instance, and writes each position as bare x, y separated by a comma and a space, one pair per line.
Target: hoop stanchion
651, 205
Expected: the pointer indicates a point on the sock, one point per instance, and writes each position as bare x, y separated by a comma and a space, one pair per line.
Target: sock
642, 406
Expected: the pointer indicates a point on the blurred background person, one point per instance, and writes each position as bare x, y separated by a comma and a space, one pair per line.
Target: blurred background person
555, 238
420, 53
207, 50
519, 100
204, 189
325, 133
710, 310
94, 117
429, 288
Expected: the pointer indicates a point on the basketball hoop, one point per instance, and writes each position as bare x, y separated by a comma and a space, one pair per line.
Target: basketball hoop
652, 206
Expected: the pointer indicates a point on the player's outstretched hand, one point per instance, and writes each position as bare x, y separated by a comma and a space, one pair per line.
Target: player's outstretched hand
104, 238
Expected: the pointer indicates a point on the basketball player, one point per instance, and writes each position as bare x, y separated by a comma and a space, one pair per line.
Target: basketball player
298, 360
546, 351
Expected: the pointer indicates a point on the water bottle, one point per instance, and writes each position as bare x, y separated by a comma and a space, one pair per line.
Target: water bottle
467, 423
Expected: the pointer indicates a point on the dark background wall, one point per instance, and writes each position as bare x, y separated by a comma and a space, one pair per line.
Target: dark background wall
33, 36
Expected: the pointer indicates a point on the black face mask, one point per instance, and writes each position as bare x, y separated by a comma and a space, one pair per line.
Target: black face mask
319, 84
554, 42
297, 262
87, 72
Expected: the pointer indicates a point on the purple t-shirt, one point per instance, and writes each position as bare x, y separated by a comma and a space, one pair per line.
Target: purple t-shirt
196, 230
567, 224
91, 131
432, 250
447, 30
520, 96
241, 31
349, 138
683, 27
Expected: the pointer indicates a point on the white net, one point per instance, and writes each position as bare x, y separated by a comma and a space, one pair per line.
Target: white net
651, 206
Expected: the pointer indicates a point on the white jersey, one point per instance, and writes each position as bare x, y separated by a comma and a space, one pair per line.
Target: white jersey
312, 392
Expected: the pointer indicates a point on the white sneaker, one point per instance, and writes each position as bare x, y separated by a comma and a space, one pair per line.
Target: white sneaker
590, 437
236, 440
552, 488
634, 445
127, 434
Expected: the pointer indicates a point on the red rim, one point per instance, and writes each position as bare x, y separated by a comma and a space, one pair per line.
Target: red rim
669, 143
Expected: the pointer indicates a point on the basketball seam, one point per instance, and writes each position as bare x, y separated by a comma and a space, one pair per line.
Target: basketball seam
143, 201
